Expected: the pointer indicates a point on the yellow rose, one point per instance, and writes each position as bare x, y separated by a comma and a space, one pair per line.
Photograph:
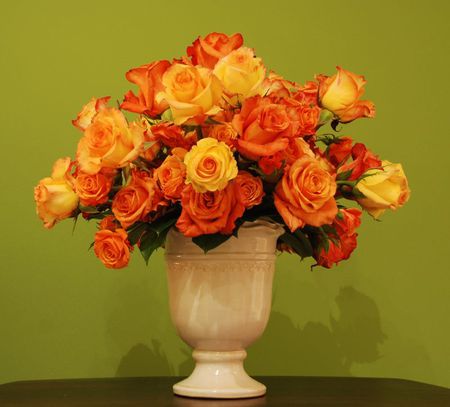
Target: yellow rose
210, 165
383, 189
55, 196
190, 91
241, 73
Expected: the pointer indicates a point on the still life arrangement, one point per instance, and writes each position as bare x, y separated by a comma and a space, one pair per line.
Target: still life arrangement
213, 153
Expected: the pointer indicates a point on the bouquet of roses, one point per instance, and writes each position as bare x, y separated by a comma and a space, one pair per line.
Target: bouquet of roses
218, 141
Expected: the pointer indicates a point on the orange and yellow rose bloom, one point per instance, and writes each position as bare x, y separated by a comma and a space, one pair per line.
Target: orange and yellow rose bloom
210, 165
305, 195
384, 188
191, 92
341, 94
55, 196
109, 142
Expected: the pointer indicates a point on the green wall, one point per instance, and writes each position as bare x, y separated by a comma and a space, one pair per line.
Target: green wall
383, 313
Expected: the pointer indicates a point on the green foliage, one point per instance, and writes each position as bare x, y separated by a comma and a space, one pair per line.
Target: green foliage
209, 242
299, 242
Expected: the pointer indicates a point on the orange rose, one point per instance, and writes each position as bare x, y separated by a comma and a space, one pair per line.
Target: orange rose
112, 248
346, 236
148, 78
223, 132
209, 212
191, 92
108, 222
340, 94
276, 85
89, 110
109, 142
264, 128
171, 175
339, 152
207, 51
305, 194
363, 160
308, 94
55, 196
133, 202
172, 135
304, 117
249, 189
93, 189
297, 148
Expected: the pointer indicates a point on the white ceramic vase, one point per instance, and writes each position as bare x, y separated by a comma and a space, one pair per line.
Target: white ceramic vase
220, 303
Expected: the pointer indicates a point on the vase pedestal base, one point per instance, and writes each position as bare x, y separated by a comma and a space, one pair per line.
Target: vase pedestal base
219, 375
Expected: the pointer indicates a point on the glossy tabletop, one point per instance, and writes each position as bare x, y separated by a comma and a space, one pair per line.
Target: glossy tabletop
282, 391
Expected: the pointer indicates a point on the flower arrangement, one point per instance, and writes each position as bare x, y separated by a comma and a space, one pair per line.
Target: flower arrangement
218, 141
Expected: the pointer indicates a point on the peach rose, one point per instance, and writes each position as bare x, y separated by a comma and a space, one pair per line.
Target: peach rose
112, 248
149, 80
171, 174
241, 73
346, 236
209, 212
207, 51
340, 94
249, 189
264, 128
109, 142
385, 188
210, 165
55, 196
89, 110
191, 92
133, 202
305, 194
224, 132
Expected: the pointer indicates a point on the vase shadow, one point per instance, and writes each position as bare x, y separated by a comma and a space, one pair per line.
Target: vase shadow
316, 349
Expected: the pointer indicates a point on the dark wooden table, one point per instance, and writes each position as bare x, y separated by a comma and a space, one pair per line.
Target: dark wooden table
282, 391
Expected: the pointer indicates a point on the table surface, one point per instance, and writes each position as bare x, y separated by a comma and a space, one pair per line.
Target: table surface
282, 391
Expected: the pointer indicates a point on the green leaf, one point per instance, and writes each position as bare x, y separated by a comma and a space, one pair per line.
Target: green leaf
136, 232
343, 176
148, 243
209, 242
166, 221
167, 115
88, 209
210, 120
299, 243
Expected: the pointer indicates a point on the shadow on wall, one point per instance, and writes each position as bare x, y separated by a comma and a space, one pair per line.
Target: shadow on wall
317, 349
143, 361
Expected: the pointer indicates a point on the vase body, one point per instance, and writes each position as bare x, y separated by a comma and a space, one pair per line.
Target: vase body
220, 303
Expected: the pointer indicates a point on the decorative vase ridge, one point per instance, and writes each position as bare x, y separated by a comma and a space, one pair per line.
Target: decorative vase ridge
220, 303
